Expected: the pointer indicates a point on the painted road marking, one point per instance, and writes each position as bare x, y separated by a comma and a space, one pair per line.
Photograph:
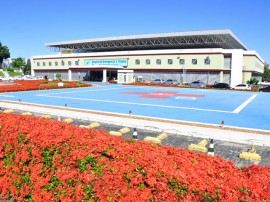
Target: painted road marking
7, 95
244, 104
82, 91
135, 103
185, 98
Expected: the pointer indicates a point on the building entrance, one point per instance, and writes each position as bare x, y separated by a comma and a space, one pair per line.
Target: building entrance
96, 75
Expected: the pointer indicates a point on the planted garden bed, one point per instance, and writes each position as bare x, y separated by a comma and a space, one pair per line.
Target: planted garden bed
47, 160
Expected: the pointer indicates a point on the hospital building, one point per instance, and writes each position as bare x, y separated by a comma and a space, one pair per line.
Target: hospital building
209, 56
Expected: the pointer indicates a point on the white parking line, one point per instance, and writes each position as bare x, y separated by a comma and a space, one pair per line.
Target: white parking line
134, 103
244, 104
81, 91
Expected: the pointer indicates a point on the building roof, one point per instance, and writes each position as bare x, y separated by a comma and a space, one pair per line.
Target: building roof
176, 40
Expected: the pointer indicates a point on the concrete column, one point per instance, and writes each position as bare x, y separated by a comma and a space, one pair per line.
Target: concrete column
221, 77
104, 75
236, 67
69, 75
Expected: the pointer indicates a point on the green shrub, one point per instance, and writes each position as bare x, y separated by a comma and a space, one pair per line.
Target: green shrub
14, 73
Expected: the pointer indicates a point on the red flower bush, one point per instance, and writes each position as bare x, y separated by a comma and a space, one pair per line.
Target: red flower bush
27, 85
47, 160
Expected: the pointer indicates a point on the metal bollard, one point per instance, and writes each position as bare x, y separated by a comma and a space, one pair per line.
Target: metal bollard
135, 134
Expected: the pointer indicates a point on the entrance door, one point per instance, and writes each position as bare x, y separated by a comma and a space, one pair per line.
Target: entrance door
96, 75
112, 75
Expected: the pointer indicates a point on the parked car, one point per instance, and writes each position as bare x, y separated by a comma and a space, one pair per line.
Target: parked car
158, 81
242, 87
39, 77
265, 89
197, 84
221, 85
171, 81
9, 78
28, 77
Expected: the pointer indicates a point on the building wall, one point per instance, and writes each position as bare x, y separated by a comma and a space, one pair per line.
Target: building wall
70, 60
252, 63
173, 61
213, 65
51, 74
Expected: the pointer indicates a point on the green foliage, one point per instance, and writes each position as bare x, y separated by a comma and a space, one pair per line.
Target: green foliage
47, 156
17, 63
4, 53
15, 73
89, 160
1, 74
27, 68
9, 155
10, 70
253, 81
266, 73
53, 184
88, 190
58, 75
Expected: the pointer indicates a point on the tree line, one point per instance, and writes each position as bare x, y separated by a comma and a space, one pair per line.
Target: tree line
17, 63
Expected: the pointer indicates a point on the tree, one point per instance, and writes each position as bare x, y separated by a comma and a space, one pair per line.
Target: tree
58, 76
17, 63
4, 53
27, 68
266, 73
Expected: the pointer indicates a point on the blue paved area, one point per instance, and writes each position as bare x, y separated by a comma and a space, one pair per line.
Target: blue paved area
235, 108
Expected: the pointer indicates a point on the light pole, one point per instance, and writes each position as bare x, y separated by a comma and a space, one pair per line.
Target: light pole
182, 63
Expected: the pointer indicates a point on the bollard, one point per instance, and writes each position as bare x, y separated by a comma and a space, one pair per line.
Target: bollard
211, 148
135, 134
65, 105
129, 112
222, 124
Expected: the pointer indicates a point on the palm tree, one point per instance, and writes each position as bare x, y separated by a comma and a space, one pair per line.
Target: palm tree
253, 82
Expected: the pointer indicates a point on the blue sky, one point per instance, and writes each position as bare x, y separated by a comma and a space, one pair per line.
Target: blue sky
28, 24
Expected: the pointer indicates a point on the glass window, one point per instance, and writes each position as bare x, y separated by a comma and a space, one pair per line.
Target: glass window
62, 63
69, 63
37, 63
194, 61
137, 62
56, 63
158, 61
43, 63
170, 61
182, 61
147, 61
77, 62
50, 63
207, 61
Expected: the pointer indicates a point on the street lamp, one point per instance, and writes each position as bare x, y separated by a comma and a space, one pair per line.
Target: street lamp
182, 63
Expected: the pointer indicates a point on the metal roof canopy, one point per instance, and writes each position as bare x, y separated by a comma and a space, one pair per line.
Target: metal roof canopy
176, 40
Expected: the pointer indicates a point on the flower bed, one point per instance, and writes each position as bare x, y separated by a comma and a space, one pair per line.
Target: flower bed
47, 160
26, 85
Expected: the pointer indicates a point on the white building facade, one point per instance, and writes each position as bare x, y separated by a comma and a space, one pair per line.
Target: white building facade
209, 56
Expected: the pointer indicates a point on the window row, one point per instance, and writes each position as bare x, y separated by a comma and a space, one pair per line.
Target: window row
170, 61
56, 63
